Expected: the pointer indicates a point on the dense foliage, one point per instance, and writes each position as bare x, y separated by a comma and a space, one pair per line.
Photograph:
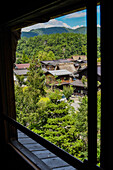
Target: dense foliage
43, 111
63, 45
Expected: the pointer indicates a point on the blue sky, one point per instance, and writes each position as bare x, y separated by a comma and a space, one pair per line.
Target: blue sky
73, 21
78, 18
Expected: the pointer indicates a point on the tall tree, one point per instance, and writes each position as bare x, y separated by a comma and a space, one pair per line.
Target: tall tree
36, 78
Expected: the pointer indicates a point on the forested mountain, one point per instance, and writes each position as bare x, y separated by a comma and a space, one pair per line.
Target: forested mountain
57, 45
54, 30
54, 46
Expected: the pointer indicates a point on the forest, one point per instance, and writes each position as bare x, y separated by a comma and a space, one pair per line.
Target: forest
53, 46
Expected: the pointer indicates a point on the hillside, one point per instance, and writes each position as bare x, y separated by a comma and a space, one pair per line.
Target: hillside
54, 30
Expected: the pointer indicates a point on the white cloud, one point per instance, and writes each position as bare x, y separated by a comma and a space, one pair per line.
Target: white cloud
76, 15
98, 25
51, 23
78, 26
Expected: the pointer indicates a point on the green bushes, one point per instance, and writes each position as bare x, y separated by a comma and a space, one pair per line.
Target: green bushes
44, 112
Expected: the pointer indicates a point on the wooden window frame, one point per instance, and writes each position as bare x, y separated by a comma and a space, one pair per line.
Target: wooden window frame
7, 85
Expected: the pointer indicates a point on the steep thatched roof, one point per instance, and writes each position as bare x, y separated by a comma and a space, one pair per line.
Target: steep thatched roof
77, 57
68, 66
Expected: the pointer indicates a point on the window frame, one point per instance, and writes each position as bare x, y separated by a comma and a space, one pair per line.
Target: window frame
8, 101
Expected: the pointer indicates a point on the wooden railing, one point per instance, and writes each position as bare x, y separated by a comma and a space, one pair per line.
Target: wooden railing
45, 143
50, 146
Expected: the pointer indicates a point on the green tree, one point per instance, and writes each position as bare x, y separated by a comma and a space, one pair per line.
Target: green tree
36, 78
68, 91
50, 56
25, 58
84, 81
20, 80
54, 46
27, 97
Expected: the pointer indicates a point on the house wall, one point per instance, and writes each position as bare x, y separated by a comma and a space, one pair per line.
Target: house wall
50, 79
80, 90
50, 67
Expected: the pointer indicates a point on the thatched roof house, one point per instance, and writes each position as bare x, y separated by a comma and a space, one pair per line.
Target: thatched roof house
68, 66
77, 57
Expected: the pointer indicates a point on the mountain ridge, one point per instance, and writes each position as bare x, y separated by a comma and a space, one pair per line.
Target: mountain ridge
54, 30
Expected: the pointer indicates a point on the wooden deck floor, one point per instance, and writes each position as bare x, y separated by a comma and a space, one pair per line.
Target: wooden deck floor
50, 159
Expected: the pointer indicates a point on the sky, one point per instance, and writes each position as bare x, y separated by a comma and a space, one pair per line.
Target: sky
73, 21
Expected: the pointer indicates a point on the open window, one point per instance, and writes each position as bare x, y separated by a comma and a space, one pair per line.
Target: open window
8, 103
49, 102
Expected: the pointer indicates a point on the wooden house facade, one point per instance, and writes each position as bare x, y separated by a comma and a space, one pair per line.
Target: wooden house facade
79, 87
58, 77
68, 64
84, 72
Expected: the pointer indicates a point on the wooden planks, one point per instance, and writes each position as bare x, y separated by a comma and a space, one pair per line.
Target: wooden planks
47, 157
54, 162
43, 154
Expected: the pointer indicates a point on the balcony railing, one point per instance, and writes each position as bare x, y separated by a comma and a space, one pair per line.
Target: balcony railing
71, 160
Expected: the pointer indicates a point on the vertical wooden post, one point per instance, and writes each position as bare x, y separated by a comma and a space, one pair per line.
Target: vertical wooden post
106, 85
92, 80
6, 80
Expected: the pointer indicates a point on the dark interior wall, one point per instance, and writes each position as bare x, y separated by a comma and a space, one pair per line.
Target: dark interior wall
15, 161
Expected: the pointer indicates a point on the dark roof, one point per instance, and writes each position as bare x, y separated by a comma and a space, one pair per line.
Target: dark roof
77, 83
44, 70
68, 66
21, 72
59, 72
81, 70
85, 68
22, 66
56, 62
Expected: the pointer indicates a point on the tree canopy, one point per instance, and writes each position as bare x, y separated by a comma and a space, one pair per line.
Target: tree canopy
53, 46
43, 111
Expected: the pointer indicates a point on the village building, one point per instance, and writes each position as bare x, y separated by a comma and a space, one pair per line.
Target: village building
20, 73
67, 66
83, 72
79, 87
20, 70
70, 64
54, 64
21, 66
81, 63
58, 72
58, 77
79, 57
